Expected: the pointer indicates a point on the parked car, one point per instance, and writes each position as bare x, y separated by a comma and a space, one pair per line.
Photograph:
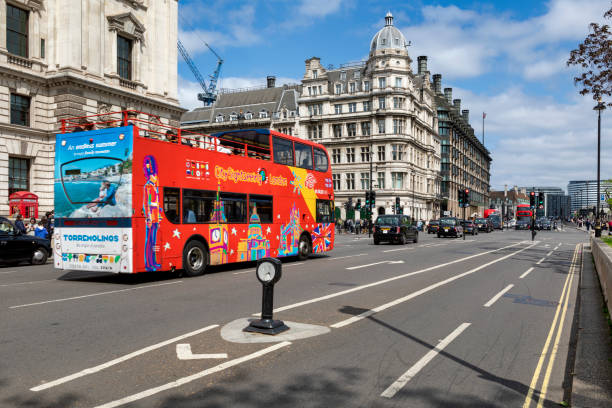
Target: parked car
469, 227
450, 227
433, 226
483, 224
16, 247
395, 228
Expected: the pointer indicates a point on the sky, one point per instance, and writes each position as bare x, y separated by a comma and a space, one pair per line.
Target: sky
507, 59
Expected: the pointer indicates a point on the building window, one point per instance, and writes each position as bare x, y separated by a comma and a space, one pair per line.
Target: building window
367, 106
233, 116
17, 31
397, 152
352, 107
350, 155
343, 75
124, 57
381, 153
336, 179
397, 180
19, 174
319, 132
42, 48
315, 73
398, 82
351, 129
20, 110
365, 129
365, 181
350, 181
356, 75
382, 82
336, 158
309, 91
366, 86
381, 126
219, 118
248, 115
352, 87
398, 103
381, 180
398, 126
338, 89
381, 102
337, 129
263, 114
338, 109
365, 154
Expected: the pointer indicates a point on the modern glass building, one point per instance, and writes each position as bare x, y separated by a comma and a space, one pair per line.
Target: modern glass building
583, 193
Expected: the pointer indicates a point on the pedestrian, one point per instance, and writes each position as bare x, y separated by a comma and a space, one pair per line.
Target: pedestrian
50, 222
31, 226
41, 231
358, 227
588, 225
19, 224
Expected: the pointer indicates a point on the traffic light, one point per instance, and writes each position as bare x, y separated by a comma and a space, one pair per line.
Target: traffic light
540, 200
373, 198
460, 197
367, 200
398, 210
349, 204
466, 197
532, 200
358, 206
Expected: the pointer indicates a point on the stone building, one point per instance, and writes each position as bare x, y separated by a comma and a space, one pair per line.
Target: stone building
67, 58
466, 163
506, 201
378, 122
268, 107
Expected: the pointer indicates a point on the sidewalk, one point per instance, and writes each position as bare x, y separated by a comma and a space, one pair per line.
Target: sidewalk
592, 381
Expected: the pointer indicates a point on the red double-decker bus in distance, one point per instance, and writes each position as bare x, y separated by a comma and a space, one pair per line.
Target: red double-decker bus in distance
523, 216
133, 195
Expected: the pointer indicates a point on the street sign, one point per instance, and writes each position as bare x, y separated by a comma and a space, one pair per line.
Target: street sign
602, 197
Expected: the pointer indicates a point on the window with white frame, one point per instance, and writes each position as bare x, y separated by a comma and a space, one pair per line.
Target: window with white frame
367, 106
365, 181
338, 89
219, 118
336, 179
381, 126
263, 114
381, 102
337, 130
350, 181
352, 107
233, 116
351, 129
366, 86
381, 153
397, 152
398, 82
382, 82
350, 155
338, 109
365, 129
343, 75
397, 180
356, 74
315, 73
381, 180
365, 154
398, 126
352, 87
336, 157
248, 115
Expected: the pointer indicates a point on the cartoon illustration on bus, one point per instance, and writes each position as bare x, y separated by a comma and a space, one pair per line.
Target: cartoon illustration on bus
152, 211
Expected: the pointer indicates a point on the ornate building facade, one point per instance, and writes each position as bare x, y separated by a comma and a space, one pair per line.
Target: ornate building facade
67, 58
378, 121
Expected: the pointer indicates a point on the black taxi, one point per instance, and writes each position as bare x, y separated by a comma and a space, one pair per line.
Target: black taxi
395, 228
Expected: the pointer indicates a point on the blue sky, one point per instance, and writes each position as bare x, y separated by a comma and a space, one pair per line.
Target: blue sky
504, 58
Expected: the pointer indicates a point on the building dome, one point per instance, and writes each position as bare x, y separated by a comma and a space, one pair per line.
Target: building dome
388, 37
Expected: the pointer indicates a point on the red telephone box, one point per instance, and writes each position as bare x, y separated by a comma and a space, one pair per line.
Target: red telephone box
25, 202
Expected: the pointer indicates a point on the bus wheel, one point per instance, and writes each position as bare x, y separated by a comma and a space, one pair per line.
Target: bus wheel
195, 258
304, 248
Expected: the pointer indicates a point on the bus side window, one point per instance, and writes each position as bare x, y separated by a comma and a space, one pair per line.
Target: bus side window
283, 151
198, 206
303, 155
321, 161
324, 211
171, 205
262, 206
235, 206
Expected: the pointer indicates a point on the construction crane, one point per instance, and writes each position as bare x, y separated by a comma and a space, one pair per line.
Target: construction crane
210, 91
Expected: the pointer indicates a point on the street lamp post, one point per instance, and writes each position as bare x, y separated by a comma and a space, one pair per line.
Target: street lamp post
412, 212
370, 204
599, 107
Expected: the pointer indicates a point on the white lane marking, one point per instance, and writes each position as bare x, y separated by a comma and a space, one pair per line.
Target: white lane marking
557, 247
342, 257
118, 360
27, 283
3, 272
375, 263
526, 273
418, 366
185, 380
381, 282
183, 352
396, 302
399, 249
93, 294
496, 297
550, 253
247, 271
540, 261
284, 266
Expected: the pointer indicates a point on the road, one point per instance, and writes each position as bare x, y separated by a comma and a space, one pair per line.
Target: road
484, 322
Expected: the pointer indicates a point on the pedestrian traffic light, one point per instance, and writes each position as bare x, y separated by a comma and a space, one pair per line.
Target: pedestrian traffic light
367, 199
397, 205
466, 197
540, 200
532, 200
460, 197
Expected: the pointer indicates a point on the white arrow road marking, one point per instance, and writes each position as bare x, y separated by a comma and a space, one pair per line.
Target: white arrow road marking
375, 263
183, 352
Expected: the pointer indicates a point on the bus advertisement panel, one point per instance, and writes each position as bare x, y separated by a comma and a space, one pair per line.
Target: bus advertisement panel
192, 200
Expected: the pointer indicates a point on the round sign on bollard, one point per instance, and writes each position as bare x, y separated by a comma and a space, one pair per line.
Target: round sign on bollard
268, 272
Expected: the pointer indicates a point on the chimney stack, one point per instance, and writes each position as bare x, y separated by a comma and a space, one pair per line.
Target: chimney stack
448, 94
466, 115
422, 64
457, 105
271, 81
437, 79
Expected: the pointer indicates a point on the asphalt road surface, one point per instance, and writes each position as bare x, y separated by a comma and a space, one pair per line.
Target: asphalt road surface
484, 322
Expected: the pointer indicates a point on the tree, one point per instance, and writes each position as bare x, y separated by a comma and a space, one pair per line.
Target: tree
594, 55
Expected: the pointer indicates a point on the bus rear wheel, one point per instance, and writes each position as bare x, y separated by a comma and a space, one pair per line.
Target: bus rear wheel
303, 248
195, 258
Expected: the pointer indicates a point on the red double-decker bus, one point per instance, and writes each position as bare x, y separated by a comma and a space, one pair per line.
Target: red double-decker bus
523, 216
135, 195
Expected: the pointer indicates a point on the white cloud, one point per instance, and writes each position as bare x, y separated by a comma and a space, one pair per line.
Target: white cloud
319, 8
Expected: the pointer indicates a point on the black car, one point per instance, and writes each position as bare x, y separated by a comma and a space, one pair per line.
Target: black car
433, 226
450, 227
469, 227
483, 224
16, 247
395, 228
523, 223
543, 224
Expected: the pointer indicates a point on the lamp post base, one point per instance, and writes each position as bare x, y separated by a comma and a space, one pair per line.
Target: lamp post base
266, 326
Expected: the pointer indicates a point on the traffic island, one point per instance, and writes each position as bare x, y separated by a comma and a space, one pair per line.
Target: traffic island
234, 332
